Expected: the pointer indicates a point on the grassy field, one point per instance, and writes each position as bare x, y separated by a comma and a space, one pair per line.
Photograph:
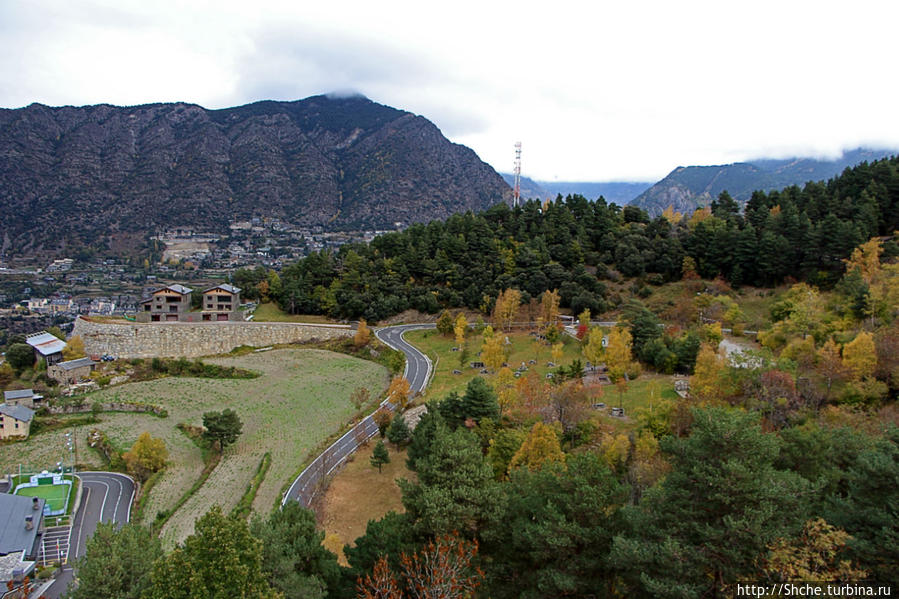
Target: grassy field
360, 493
523, 349
55, 495
270, 312
640, 393
302, 397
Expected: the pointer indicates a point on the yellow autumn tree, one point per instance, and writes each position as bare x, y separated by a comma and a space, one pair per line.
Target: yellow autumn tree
549, 306
363, 334
492, 353
74, 348
671, 216
615, 450
556, 352
147, 455
860, 356
398, 392
866, 258
460, 328
705, 384
815, 555
618, 354
593, 348
506, 390
540, 447
506, 308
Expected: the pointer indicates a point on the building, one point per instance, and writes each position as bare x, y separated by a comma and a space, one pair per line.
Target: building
21, 525
221, 302
23, 397
169, 304
46, 346
15, 421
173, 304
71, 371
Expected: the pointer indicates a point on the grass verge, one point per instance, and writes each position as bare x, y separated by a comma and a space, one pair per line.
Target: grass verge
245, 505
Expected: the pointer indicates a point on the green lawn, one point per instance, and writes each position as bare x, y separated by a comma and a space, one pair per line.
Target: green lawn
56, 496
270, 312
523, 349
301, 398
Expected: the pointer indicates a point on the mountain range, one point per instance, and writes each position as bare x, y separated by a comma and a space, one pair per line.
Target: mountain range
109, 176
687, 188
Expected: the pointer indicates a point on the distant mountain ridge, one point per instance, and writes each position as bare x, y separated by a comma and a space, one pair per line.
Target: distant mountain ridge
618, 192
687, 188
109, 175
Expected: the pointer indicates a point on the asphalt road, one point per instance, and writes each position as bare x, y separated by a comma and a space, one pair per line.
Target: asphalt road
417, 372
105, 497
418, 366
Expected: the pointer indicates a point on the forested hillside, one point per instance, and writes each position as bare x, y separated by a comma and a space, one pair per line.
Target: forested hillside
686, 188
575, 245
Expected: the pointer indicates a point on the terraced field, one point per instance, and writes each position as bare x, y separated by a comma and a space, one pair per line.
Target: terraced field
302, 397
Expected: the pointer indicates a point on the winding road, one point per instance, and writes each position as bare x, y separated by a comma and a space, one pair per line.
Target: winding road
105, 497
418, 372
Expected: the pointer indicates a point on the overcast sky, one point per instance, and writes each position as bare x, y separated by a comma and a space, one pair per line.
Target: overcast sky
595, 91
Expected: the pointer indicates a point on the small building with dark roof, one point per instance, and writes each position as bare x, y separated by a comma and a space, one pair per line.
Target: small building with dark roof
46, 346
23, 397
21, 524
15, 421
71, 371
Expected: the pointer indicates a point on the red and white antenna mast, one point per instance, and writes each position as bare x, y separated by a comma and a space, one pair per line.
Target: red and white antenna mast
516, 190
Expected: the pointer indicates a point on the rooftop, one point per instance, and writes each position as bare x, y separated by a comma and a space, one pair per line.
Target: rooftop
224, 286
45, 343
73, 364
18, 394
20, 413
13, 534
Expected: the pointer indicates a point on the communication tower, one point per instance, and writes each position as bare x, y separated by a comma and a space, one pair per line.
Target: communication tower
516, 190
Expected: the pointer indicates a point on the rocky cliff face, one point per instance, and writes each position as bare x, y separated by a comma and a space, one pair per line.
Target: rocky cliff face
110, 175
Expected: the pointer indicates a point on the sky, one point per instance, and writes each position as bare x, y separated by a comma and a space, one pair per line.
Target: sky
594, 91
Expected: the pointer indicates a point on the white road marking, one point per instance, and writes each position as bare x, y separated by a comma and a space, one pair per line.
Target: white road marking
81, 526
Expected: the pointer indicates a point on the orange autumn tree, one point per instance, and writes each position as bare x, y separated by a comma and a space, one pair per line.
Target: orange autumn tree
441, 570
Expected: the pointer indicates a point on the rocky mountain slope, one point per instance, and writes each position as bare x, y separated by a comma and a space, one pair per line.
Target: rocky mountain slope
686, 188
107, 176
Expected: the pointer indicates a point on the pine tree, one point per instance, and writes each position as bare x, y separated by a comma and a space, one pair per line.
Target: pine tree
379, 455
398, 432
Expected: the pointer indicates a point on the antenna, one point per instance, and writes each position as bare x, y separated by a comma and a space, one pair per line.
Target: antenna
516, 190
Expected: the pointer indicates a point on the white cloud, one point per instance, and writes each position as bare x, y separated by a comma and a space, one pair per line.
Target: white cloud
594, 91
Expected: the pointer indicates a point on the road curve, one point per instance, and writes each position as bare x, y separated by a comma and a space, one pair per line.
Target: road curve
417, 372
418, 366
105, 497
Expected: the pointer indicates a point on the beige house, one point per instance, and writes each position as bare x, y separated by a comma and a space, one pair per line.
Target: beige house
169, 304
221, 303
71, 371
15, 421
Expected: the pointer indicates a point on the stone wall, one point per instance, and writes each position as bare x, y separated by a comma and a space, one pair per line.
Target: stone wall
193, 340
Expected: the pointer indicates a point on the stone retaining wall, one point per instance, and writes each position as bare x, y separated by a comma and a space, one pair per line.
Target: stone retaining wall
193, 340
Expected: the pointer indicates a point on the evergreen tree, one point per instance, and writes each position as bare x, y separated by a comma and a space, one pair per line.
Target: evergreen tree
117, 563
379, 455
293, 558
455, 488
723, 503
220, 560
398, 432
